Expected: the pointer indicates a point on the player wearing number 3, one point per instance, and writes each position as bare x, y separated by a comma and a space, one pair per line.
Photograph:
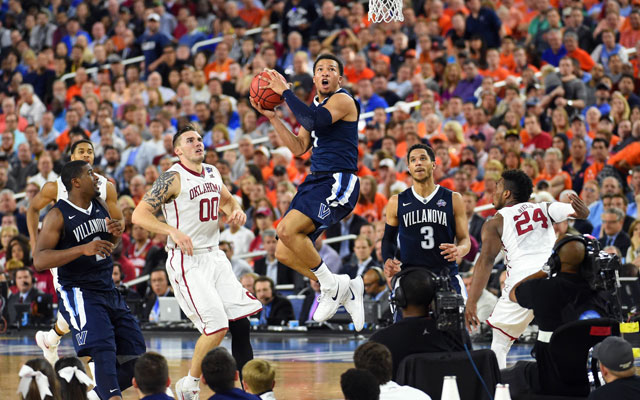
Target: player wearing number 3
525, 231
190, 194
427, 219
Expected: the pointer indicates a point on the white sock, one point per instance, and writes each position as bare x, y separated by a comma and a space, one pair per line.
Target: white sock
500, 344
53, 338
192, 382
325, 276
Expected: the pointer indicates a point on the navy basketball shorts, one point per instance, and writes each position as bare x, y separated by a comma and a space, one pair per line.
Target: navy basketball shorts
99, 321
326, 199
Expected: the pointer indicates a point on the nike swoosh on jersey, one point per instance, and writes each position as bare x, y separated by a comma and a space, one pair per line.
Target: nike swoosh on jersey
406, 204
337, 291
72, 216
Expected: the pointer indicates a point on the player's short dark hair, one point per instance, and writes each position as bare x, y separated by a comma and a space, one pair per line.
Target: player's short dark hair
375, 358
73, 146
219, 370
73, 389
359, 384
72, 170
187, 128
329, 57
518, 183
151, 373
423, 146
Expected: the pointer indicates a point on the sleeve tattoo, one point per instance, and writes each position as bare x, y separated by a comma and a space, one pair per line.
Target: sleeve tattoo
158, 194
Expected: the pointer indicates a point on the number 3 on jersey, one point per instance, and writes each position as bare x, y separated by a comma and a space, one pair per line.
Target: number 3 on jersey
427, 234
524, 224
209, 209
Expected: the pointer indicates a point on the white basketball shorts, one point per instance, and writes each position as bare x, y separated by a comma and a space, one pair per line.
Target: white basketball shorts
208, 291
510, 318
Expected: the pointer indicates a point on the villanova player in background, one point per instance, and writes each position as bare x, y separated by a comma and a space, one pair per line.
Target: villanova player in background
427, 220
78, 237
329, 193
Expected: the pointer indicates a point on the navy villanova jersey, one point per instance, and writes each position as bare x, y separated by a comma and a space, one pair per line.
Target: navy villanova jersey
335, 148
424, 224
80, 227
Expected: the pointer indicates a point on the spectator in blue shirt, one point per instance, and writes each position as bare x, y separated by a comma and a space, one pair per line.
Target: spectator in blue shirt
73, 32
193, 35
483, 22
556, 49
152, 43
369, 101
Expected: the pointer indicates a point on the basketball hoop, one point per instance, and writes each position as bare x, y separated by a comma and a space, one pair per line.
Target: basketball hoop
385, 11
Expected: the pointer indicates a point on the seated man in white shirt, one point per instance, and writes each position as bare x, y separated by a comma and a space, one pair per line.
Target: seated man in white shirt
376, 358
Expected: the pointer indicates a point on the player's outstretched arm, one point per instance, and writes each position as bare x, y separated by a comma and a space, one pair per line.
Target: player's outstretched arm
390, 240
453, 251
112, 204
48, 194
231, 207
46, 257
491, 245
297, 144
164, 189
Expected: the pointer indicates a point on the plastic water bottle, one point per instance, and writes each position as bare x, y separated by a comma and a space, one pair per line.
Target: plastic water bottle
450, 389
502, 392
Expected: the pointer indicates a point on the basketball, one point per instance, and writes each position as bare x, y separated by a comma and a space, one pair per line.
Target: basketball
267, 98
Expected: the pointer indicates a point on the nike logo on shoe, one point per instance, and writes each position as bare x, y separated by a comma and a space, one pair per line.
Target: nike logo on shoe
337, 291
353, 296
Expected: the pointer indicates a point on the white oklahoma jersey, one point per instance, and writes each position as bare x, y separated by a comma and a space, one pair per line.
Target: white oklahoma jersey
63, 194
527, 238
195, 211
204, 284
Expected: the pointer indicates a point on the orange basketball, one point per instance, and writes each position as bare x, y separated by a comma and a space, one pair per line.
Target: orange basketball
267, 98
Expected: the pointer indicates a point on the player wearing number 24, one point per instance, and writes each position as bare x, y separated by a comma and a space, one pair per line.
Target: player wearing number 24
525, 231
428, 220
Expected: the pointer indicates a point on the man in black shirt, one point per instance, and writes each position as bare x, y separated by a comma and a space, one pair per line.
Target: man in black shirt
416, 332
567, 297
616, 364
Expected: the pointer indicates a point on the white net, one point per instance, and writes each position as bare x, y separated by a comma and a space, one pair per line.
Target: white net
385, 10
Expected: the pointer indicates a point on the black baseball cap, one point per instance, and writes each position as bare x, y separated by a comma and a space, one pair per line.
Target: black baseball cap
279, 170
478, 136
614, 353
577, 117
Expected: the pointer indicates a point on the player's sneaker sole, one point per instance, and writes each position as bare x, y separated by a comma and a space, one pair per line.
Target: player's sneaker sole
186, 394
355, 303
50, 352
330, 300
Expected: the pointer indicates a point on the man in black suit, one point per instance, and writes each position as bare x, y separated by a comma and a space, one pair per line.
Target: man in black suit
363, 261
26, 294
269, 266
348, 226
159, 288
276, 310
612, 233
310, 302
475, 221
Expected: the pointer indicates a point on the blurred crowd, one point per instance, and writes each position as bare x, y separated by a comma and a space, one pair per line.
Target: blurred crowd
549, 87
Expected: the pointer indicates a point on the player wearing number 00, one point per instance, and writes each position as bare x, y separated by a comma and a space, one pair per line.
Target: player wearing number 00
428, 221
190, 194
525, 231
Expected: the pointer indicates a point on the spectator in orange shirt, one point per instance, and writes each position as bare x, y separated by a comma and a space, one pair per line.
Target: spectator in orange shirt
371, 203
219, 68
599, 153
494, 69
558, 179
261, 160
571, 44
251, 14
521, 61
506, 53
629, 37
359, 70
436, 13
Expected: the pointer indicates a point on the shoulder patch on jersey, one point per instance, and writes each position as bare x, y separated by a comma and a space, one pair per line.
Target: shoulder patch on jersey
441, 203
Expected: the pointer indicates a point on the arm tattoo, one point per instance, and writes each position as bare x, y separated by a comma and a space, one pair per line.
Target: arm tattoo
157, 195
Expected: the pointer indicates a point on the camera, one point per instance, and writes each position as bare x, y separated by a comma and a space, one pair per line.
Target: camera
449, 305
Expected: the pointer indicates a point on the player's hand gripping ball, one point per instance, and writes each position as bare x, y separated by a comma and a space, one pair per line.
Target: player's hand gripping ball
264, 96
